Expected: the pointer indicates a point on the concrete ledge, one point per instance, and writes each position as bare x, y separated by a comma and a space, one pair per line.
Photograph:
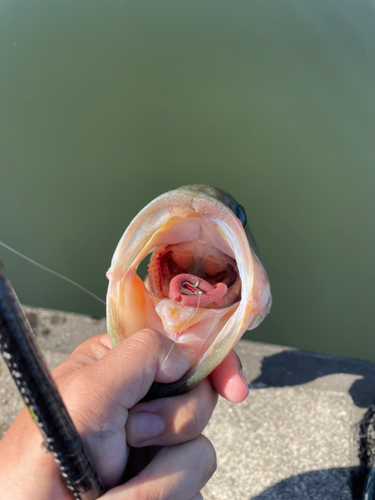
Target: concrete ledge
296, 436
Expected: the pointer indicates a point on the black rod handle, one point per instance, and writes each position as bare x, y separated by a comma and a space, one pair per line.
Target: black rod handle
39, 392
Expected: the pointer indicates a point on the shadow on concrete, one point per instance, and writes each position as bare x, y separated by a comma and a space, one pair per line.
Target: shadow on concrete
290, 368
326, 484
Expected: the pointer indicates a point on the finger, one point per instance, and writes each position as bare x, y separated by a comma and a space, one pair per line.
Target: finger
89, 351
176, 472
170, 421
134, 363
228, 379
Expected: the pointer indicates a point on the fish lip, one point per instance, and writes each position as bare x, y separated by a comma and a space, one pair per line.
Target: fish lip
203, 194
223, 197
172, 205
195, 192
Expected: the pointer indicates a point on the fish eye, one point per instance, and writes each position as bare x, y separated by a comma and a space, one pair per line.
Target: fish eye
241, 214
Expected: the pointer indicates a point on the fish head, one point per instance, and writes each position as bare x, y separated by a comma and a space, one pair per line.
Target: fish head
205, 285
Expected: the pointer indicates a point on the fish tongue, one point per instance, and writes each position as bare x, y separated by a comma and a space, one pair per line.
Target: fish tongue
193, 291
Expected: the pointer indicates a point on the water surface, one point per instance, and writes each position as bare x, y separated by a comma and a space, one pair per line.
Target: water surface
104, 105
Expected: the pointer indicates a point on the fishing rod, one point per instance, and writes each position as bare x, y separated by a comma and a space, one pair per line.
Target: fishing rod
39, 392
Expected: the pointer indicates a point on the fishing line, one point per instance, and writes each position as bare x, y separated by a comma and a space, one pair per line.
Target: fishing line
179, 333
52, 272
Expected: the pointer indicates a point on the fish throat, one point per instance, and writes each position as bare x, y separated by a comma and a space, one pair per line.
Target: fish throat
192, 273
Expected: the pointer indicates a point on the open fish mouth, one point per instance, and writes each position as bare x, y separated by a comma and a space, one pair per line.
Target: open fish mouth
205, 284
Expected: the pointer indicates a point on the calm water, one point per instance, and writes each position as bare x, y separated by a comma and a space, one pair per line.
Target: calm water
104, 105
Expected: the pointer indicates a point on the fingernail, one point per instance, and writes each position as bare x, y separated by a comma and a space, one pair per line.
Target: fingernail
242, 375
147, 426
236, 389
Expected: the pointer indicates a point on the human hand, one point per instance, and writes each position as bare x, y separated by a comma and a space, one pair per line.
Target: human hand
101, 387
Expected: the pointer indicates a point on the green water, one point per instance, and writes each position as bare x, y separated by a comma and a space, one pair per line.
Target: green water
104, 105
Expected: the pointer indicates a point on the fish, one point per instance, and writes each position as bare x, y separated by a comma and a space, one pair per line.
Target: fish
205, 286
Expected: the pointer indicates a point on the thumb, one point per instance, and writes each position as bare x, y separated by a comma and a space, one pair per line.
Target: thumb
125, 373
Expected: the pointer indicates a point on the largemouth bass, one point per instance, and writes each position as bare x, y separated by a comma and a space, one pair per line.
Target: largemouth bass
205, 285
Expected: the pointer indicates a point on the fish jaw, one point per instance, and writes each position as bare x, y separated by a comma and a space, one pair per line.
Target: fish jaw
171, 219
